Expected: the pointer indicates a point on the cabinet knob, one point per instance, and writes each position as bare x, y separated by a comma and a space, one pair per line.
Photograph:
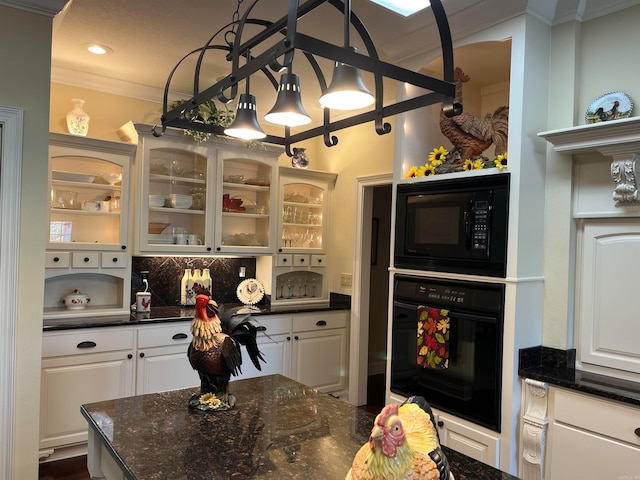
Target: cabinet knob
114, 259
87, 344
56, 259
179, 336
284, 260
123, 247
130, 356
637, 431
302, 260
440, 423
141, 354
296, 337
86, 259
218, 248
208, 249
288, 339
319, 260
279, 250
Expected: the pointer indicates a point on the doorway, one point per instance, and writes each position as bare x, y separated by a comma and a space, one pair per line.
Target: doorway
370, 300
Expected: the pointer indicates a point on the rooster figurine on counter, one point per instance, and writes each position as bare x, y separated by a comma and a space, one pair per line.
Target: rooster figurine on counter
215, 353
403, 445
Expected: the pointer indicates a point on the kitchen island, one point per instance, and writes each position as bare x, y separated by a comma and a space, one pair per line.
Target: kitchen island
280, 429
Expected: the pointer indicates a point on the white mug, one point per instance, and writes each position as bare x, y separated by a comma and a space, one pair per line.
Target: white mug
194, 240
143, 302
181, 238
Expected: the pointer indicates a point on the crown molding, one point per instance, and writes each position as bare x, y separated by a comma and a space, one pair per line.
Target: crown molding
43, 7
113, 86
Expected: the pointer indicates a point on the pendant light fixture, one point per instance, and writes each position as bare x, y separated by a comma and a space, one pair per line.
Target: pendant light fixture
245, 125
347, 91
288, 109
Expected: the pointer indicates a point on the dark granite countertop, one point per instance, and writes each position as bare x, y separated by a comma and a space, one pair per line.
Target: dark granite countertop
176, 314
279, 429
557, 367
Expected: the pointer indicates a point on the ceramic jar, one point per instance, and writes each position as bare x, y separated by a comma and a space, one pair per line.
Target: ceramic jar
77, 119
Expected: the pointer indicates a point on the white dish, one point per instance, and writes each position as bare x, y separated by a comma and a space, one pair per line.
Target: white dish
72, 176
610, 106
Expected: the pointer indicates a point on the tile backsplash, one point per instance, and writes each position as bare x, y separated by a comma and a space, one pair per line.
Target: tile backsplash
165, 275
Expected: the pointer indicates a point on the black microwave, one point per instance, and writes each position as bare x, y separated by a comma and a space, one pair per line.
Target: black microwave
455, 225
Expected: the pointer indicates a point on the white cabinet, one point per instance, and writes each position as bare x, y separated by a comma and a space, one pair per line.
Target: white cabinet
81, 367
88, 247
607, 293
209, 197
162, 362
591, 437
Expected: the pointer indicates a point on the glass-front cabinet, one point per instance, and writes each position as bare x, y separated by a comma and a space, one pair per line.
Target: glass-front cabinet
176, 179
89, 201
305, 197
246, 200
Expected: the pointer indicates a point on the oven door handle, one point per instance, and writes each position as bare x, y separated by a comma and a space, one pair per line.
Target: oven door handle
467, 226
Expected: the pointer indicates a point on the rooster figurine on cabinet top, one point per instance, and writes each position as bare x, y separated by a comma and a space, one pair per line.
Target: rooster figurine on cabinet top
215, 353
403, 445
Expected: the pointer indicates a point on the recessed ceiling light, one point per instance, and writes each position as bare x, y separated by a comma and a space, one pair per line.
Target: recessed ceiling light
98, 49
403, 7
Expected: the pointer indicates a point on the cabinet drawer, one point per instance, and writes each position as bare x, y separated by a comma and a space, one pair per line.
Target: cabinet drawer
301, 260
599, 416
113, 260
85, 259
284, 260
320, 321
318, 260
57, 260
174, 334
56, 344
272, 325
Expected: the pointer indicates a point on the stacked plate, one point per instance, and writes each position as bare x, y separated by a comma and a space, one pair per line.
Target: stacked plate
160, 238
180, 201
157, 200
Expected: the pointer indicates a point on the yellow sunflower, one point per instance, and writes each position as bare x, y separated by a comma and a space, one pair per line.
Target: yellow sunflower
438, 155
413, 172
468, 165
501, 161
430, 169
478, 164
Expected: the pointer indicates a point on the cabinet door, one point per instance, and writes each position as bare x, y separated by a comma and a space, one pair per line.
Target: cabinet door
89, 187
609, 265
176, 177
276, 352
246, 200
319, 359
164, 368
470, 441
68, 382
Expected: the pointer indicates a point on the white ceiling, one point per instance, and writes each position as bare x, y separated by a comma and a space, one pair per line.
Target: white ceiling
149, 37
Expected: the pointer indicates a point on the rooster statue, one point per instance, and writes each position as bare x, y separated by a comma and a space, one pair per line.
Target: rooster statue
215, 353
470, 135
403, 445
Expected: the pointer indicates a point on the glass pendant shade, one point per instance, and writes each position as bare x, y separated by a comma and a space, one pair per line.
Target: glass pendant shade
245, 125
347, 91
288, 109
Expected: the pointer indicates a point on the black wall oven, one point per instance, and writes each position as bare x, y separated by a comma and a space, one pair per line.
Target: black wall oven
470, 385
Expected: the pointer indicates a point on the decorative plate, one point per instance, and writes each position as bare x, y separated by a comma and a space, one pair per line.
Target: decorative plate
611, 106
250, 291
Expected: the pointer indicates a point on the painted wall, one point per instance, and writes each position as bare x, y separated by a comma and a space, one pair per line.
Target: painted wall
25, 84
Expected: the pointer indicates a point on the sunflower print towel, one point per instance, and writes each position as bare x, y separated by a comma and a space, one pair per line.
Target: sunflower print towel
433, 337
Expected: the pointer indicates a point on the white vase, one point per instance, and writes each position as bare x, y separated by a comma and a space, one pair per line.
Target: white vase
77, 119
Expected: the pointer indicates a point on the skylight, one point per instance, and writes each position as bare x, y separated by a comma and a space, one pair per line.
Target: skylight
403, 7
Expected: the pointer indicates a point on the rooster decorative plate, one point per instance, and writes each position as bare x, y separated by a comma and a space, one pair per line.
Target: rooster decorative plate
611, 106
250, 291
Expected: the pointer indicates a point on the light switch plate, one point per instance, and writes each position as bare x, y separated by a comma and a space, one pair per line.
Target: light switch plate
345, 279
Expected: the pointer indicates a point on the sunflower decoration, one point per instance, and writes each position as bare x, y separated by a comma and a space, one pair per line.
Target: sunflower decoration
413, 172
501, 161
430, 169
467, 165
478, 164
438, 156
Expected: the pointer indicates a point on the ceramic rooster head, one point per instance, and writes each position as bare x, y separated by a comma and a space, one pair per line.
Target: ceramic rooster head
403, 445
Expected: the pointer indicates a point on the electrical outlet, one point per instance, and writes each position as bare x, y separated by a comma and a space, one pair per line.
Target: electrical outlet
345, 279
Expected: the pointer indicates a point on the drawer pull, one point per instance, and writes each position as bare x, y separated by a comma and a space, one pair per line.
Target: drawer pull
141, 354
179, 336
114, 259
321, 323
261, 328
86, 259
56, 259
637, 431
296, 337
87, 344
123, 247
130, 356
440, 423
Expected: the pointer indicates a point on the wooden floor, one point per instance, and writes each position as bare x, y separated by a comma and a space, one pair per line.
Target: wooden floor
76, 468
